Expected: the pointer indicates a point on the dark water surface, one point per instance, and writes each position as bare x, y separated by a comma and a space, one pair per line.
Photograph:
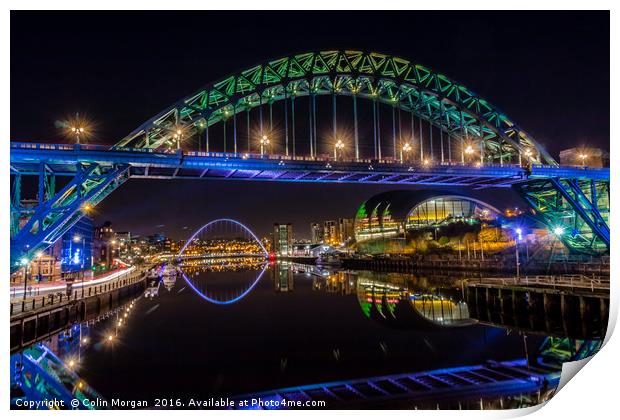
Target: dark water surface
289, 329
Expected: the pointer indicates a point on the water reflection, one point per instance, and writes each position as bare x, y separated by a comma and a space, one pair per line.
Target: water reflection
339, 326
400, 301
283, 278
223, 281
54, 370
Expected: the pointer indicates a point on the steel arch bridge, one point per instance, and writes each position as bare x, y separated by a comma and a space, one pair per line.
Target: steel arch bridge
449, 106
214, 223
239, 228
460, 139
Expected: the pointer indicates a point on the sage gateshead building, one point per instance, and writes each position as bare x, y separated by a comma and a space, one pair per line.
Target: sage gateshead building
394, 214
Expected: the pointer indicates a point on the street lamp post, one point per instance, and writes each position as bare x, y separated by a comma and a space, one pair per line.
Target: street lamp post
177, 137
338, 148
264, 143
82, 265
77, 239
517, 239
26, 264
469, 150
77, 132
38, 256
406, 149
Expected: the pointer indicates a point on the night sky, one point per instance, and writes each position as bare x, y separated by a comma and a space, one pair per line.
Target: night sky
549, 71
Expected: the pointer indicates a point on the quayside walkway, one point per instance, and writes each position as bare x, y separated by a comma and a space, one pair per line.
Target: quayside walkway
41, 316
56, 295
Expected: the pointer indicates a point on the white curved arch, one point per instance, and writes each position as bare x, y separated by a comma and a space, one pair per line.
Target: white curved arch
247, 229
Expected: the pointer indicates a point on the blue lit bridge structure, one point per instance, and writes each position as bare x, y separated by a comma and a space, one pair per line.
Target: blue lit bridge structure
410, 126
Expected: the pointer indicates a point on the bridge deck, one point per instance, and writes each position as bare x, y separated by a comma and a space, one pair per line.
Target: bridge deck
61, 159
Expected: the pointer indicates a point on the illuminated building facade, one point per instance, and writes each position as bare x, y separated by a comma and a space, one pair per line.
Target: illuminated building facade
330, 232
104, 245
345, 230
316, 233
76, 251
311, 250
283, 239
393, 214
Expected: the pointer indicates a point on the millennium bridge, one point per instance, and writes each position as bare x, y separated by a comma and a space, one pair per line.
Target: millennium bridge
410, 126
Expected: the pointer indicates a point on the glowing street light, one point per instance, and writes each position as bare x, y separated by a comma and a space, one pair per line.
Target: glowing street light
76, 128
469, 150
264, 143
583, 158
77, 132
558, 230
518, 231
338, 148
177, 136
406, 149
528, 154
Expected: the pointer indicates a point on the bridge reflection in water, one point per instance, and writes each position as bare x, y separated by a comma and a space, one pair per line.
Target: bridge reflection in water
51, 370
211, 279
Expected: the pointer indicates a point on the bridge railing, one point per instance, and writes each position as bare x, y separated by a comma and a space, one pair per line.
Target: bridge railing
87, 147
330, 159
327, 159
61, 298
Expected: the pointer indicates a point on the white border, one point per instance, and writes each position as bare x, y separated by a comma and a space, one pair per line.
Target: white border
593, 394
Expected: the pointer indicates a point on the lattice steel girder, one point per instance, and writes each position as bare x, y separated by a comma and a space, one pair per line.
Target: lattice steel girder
432, 96
577, 211
588, 210
54, 216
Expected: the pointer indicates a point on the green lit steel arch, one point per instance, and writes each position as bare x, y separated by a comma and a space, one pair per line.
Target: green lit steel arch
412, 87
